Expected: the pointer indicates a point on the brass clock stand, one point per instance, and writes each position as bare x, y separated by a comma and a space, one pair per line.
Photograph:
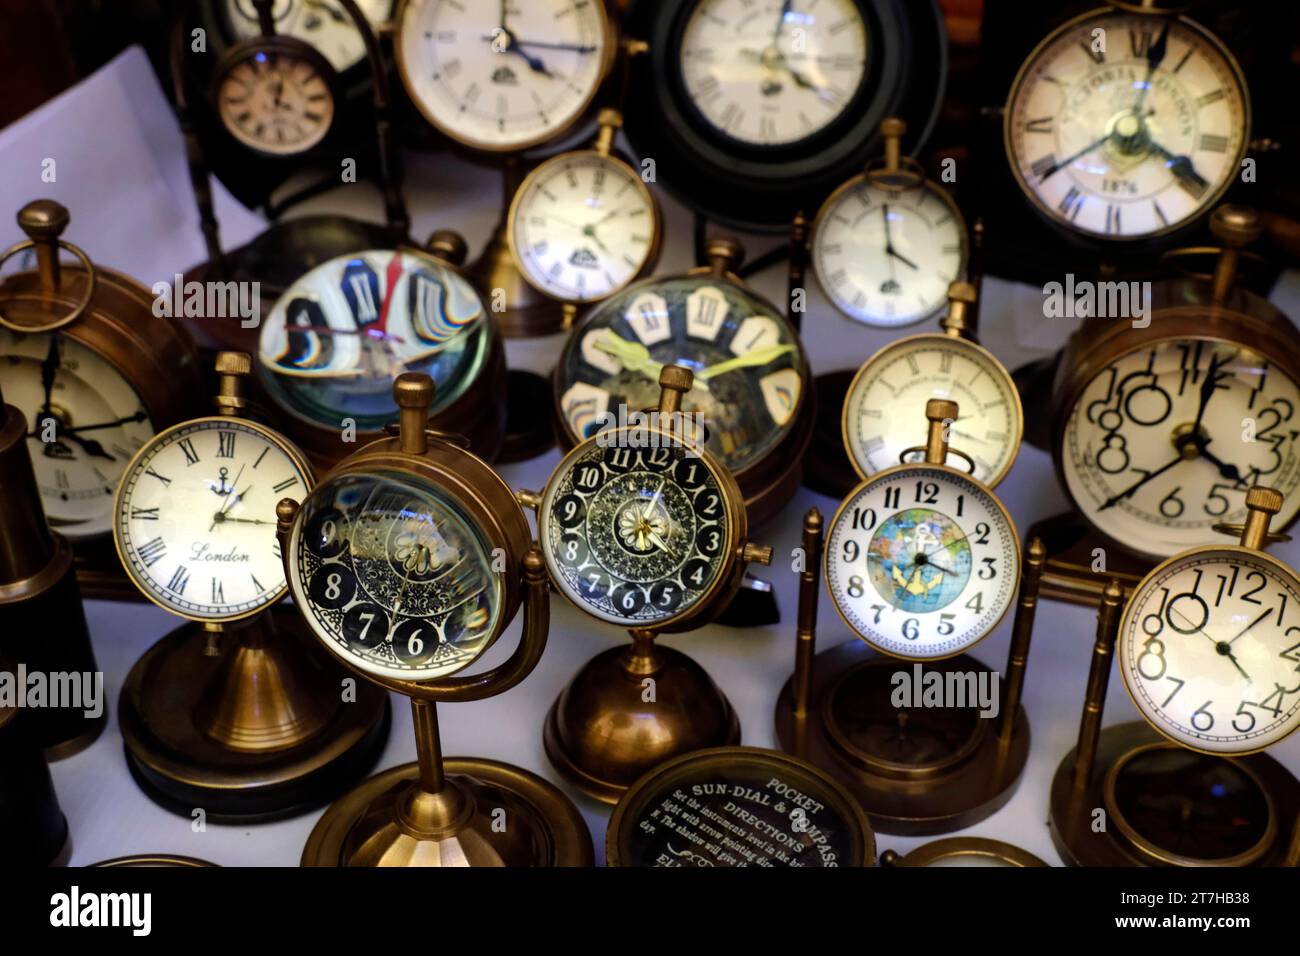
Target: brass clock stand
246, 720
914, 770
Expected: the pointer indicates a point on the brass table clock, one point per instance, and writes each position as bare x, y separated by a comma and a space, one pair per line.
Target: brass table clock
751, 384
1209, 659
95, 371
887, 243
408, 562
1160, 429
963, 851
641, 526
232, 713
922, 563
738, 806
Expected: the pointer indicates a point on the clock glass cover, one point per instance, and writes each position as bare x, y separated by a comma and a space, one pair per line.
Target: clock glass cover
1125, 126
749, 369
275, 102
322, 23
340, 335
398, 582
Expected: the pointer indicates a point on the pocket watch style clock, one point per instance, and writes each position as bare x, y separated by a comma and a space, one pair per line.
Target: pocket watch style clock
339, 337
254, 725
879, 408
752, 110
503, 77
919, 755
1207, 651
407, 563
750, 372
321, 23
888, 242
1124, 125
642, 527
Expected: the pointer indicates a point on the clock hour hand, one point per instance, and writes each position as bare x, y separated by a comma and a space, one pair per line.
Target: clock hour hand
544, 45
137, 417
902, 258
633, 356
91, 447
755, 357
49, 367
1181, 167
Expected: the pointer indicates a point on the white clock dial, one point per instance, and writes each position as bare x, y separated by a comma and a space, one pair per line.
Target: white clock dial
583, 226
276, 103
1126, 126
1165, 442
1210, 650
922, 563
195, 517
880, 420
502, 76
322, 23
887, 258
771, 73
81, 434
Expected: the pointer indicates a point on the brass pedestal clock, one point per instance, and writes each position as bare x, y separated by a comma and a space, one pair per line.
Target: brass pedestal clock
1208, 653
642, 527
234, 713
922, 563
407, 563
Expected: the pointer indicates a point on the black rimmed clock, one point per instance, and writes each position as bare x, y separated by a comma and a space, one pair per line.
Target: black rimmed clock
753, 109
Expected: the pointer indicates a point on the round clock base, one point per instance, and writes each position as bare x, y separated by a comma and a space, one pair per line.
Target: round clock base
611, 724
916, 770
542, 826
253, 730
1168, 806
828, 470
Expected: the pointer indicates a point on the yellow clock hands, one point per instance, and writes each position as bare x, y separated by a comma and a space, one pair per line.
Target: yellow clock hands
755, 357
633, 356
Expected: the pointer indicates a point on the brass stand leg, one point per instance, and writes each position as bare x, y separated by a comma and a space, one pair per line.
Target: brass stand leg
1022, 631
1094, 704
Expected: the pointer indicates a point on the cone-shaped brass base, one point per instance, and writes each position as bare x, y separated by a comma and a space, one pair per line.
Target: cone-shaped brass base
610, 726
487, 814
915, 770
1165, 805
250, 725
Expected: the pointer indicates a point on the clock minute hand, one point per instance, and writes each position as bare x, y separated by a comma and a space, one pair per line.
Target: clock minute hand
755, 357
1133, 488
1155, 56
1058, 166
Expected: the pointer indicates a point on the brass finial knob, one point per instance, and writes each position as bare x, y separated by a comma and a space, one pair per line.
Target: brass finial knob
611, 118
232, 368
961, 296
43, 219
413, 392
1267, 500
1261, 504
724, 254
234, 363
674, 382
941, 410
449, 246
756, 553
1236, 226
893, 127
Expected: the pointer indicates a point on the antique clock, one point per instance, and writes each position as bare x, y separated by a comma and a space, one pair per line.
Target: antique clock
1125, 125
751, 378
921, 562
754, 110
1209, 659
641, 526
1163, 423
321, 23
878, 417
339, 337
231, 712
887, 243
407, 563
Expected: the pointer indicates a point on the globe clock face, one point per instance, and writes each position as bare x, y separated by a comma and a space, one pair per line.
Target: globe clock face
880, 422
340, 335
394, 577
1122, 126
1210, 650
750, 372
922, 562
582, 226
275, 102
502, 76
195, 517
886, 257
772, 73
636, 536
1165, 442
81, 431
322, 23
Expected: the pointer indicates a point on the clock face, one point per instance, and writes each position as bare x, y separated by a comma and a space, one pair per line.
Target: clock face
1123, 126
887, 258
583, 226
1210, 650
338, 338
769, 73
322, 23
275, 103
880, 410
922, 562
393, 577
1165, 442
93, 420
194, 518
749, 370
502, 76
636, 535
